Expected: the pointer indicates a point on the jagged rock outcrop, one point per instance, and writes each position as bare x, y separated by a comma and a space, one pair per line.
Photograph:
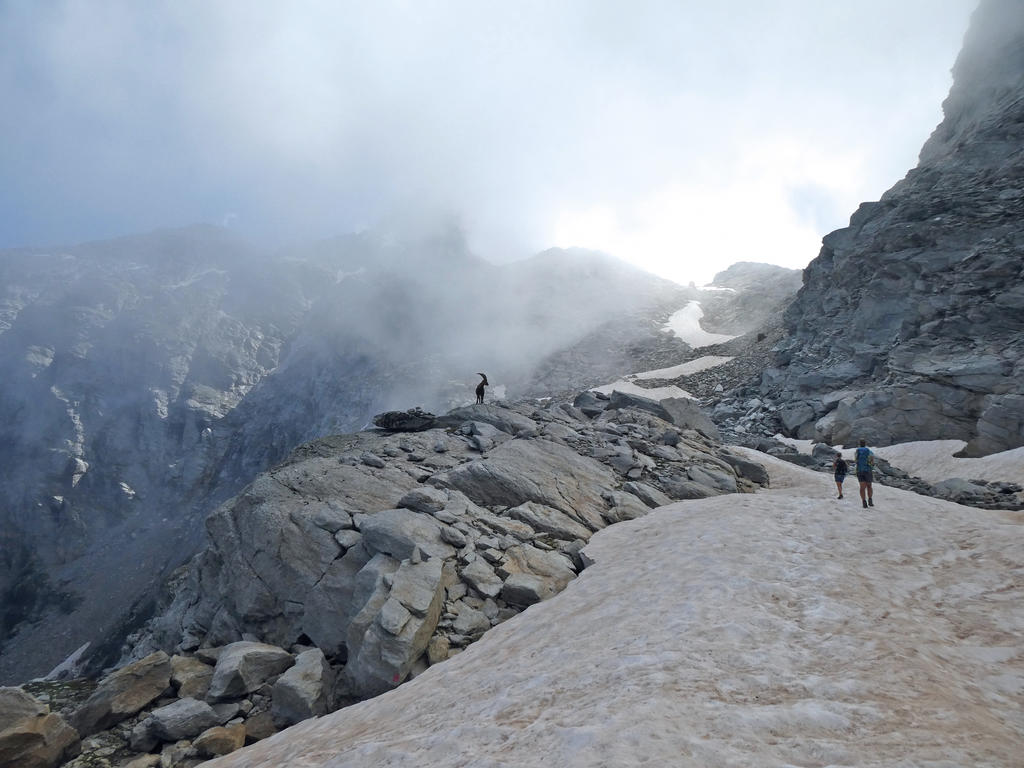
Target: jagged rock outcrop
749, 295
332, 578
30, 735
124, 693
910, 323
373, 561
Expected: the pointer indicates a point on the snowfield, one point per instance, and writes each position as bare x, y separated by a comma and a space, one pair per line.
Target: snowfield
686, 325
627, 386
933, 460
684, 369
783, 628
654, 393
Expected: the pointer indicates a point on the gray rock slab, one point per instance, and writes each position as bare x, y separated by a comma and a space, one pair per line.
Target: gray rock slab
545, 519
424, 499
378, 658
481, 577
687, 414
304, 690
190, 676
181, 719
525, 589
504, 419
123, 693
244, 666
30, 735
648, 494
396, 532
535, 470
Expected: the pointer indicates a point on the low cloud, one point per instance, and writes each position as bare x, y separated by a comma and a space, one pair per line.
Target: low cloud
665, 125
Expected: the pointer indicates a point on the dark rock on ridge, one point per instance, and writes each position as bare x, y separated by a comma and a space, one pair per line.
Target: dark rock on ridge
910, 322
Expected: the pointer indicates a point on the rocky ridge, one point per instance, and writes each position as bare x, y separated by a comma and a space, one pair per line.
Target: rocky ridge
371, 556
910, 322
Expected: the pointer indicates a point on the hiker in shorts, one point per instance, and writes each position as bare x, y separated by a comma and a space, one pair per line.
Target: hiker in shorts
839, 472
865, 464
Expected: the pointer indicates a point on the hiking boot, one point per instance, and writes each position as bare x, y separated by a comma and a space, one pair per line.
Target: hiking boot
839, 496
871, 502
865, 505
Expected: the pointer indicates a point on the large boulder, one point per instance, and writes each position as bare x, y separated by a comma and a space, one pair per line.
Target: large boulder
304, 690
400, 605
413, 420
687, 414
504, 419
30, 735
536, 470
190, 676
649, 495
244, 666
397, 532
181, 719
619, 400
481, 577
544, 519
220, 740
123, 693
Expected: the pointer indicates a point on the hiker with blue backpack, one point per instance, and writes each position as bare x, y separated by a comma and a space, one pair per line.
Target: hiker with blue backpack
865, 460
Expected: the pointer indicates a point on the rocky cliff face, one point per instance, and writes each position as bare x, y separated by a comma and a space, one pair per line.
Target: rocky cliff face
147, 379
910, 322
749, 296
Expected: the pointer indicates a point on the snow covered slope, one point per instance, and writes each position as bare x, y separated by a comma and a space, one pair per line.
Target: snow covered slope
782, 628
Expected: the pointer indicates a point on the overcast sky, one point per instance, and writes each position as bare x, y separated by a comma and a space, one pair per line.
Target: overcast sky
681, 136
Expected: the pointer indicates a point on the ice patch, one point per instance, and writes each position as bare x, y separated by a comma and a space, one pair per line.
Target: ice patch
629, 388
684, 369
686, 325
933, 461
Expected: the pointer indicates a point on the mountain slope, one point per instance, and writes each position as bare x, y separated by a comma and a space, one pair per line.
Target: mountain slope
910, 323
148, 378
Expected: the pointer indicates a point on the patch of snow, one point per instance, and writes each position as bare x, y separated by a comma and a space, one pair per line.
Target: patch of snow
686, 325
161, 401
933, 461
629, 388
721, 289
74, 447
69, 668
779, 628
801, 446
684, 369
39, 358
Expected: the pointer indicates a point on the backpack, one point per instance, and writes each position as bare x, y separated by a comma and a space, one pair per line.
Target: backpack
840, 466
864, 457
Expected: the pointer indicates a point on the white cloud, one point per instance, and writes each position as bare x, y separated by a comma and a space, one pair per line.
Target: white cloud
658, 131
